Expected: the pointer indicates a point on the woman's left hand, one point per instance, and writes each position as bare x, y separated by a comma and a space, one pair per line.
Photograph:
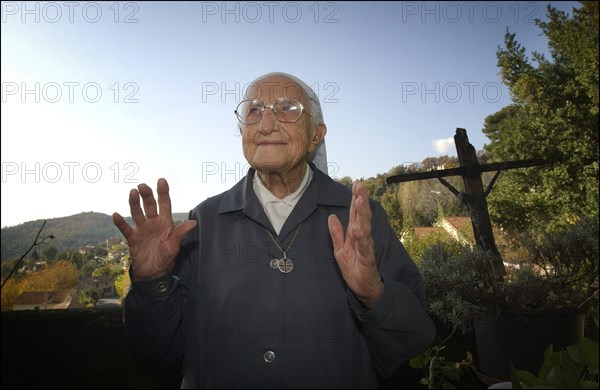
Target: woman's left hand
355, 252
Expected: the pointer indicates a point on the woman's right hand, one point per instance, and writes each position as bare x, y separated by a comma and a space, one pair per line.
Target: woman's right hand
155, 240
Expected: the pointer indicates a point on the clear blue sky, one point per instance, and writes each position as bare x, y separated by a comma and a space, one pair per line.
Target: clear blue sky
99, 96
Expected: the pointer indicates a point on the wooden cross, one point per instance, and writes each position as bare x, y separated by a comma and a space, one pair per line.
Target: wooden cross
474, 195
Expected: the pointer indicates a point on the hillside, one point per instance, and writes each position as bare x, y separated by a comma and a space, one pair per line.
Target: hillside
70, 232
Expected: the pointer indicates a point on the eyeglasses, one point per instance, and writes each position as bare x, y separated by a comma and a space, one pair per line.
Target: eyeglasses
285, 110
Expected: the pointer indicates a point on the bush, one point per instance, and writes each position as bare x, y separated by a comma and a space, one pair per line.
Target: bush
560, 271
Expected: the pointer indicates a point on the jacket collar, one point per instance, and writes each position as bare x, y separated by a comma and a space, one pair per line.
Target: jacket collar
322, 190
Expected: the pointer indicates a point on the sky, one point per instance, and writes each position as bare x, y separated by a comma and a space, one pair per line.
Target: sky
98, 97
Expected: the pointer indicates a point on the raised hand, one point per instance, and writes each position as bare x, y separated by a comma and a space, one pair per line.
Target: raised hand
355, 253
155, 240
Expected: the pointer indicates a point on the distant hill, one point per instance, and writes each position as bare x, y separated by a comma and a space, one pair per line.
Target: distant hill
71, 232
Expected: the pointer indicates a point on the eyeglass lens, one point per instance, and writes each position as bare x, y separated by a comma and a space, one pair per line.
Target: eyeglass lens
286, 110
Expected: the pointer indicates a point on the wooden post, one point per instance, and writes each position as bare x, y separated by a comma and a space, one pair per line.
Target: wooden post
474, 199
474, 195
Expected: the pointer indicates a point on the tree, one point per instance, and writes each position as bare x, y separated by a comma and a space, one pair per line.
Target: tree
100, 251
10, 293
6, 268
103, 270
111, 270
88, 268
416, 246
122, 284
76, 258
50, 252
89, 297
59, 275
424, 201
391, 205
555, 117
346, 180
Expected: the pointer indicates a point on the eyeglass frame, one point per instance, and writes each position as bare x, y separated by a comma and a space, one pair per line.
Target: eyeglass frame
264, 106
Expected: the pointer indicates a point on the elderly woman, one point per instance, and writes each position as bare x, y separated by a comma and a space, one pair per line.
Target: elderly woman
288, 279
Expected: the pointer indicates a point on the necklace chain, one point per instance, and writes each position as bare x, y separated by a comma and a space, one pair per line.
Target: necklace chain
291, 242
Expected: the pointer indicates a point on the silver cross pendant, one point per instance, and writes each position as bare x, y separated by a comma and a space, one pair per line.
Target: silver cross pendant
284, 265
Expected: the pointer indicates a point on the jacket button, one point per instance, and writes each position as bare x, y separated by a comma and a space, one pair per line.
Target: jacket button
269, 356
162, 286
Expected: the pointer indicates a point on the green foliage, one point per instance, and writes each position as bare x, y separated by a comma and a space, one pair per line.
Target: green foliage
50, 252
554, 117
75, 257
112, 270
391, 205
88, 268
441, 373
89, 297
416, 246
455, 284
424, 201
122, 284
100, 251
346, 180
575, 368
7, 267
561, 271
103, 270
568, 263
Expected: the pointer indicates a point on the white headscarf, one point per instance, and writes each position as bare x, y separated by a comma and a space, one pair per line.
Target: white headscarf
319, 157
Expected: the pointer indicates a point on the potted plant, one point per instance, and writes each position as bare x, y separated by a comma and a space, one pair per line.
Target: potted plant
541, 301
575, 367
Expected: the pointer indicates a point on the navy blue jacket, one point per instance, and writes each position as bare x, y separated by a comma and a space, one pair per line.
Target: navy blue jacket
235, 322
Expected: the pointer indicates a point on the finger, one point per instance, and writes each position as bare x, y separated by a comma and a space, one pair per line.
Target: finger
352, 215
359, 235
361, 190
362, 239
183, 229
336, 231
148, 199
123, 226
363, 213
136, 211
164, 200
